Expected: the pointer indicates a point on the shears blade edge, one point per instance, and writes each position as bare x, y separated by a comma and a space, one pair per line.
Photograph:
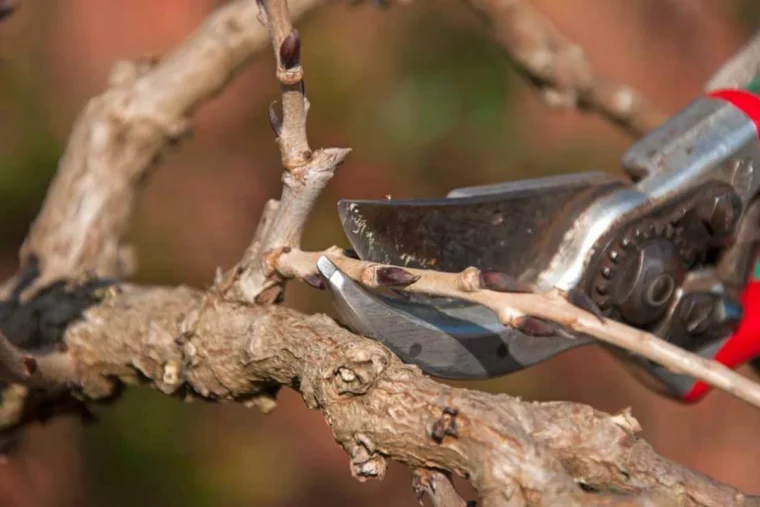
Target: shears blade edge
515, 228
445, 338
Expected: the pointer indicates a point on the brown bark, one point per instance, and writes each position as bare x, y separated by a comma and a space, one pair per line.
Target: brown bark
76, 337
188, 343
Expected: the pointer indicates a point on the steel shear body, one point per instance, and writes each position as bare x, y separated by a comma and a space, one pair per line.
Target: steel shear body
672, 249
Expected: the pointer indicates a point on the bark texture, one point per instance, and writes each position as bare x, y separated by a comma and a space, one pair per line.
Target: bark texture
74, 335
188, 343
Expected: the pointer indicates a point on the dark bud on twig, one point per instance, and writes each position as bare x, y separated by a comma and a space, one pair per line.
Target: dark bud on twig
446, 425
30, 364
7, 7
290, 50
395, 277
533, 326
580, 299
315, 281
274, 119
502, 282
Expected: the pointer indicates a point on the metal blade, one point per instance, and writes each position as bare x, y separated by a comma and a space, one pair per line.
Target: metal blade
445, 338
533, 185
515, 228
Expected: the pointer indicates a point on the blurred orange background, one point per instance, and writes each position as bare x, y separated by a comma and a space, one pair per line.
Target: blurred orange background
427, 102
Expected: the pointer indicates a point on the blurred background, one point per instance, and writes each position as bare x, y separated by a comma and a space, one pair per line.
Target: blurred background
427, 102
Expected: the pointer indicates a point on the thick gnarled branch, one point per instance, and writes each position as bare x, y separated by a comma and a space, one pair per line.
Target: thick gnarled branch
119, 136
514, 452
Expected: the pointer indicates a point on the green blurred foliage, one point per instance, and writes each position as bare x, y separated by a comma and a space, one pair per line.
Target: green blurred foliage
451, 91
30, 150
134, 459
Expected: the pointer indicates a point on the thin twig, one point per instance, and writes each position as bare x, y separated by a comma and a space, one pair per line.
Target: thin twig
41, 370
512, 307
120, 135
265, 221
740, 68
560, 69
437, 486
306, 172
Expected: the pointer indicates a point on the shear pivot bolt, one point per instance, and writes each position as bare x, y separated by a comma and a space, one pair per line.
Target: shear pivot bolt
660, 290
650, 279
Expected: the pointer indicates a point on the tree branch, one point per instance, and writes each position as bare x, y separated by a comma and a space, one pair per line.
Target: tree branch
215, 345
188, 343
49, 370
512, 308
738, 70
560, 69
120, 135
306, 172
437, 486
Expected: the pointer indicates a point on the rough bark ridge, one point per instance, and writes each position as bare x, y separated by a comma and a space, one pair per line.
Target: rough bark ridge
74, 335
188, 343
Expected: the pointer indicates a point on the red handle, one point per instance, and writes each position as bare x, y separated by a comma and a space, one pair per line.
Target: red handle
747, 102
743, 345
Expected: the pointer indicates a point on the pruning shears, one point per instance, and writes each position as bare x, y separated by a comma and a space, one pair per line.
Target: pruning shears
671, 249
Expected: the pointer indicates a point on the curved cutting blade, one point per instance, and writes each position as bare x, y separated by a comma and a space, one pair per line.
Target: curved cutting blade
445, 338
514, 227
